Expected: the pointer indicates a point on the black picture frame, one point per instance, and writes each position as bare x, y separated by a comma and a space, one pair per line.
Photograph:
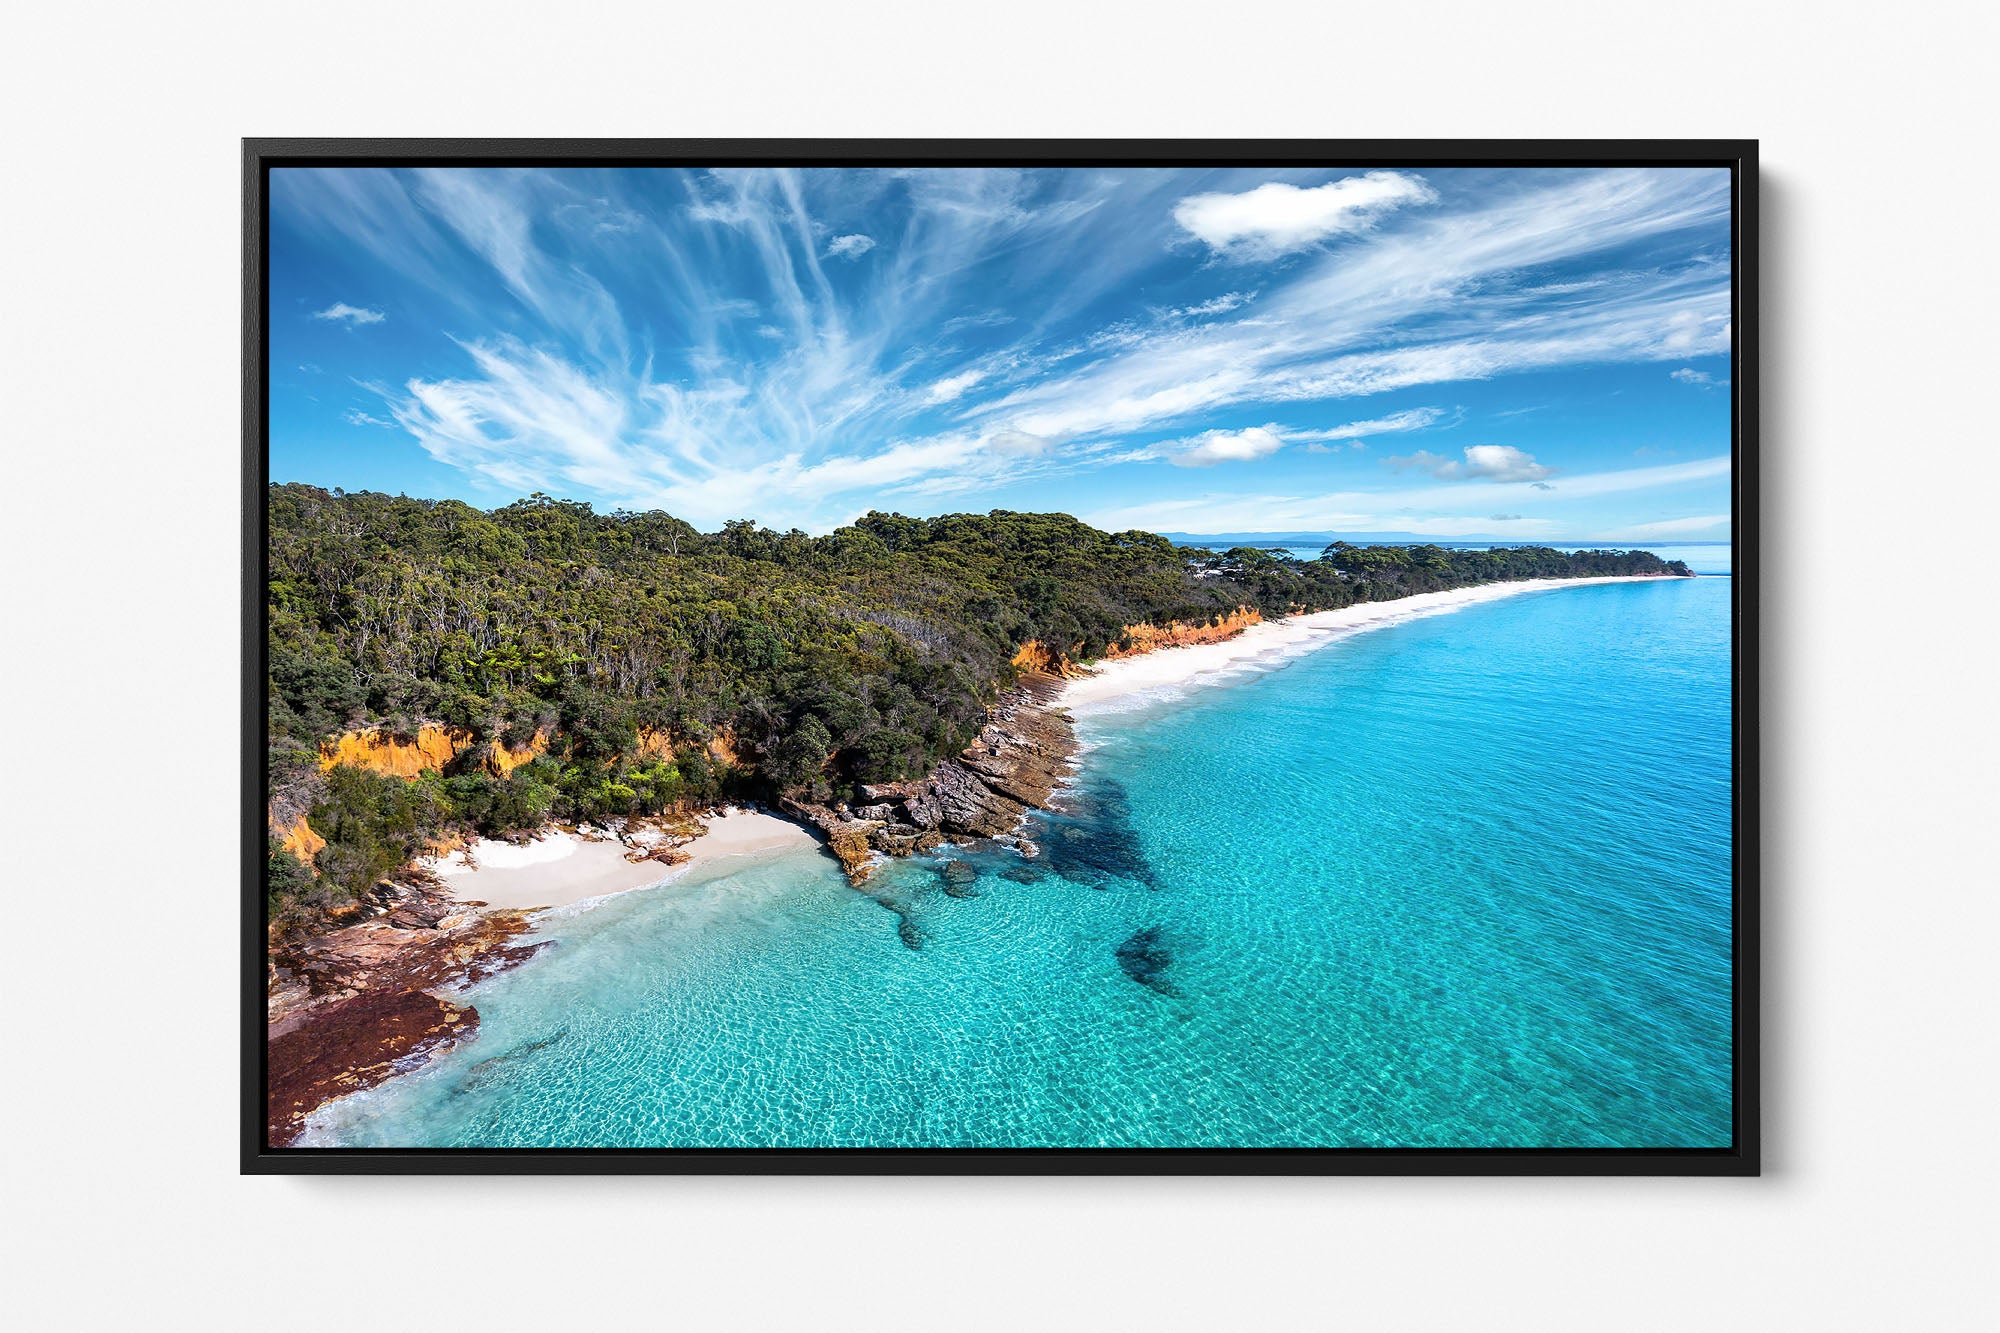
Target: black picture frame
1741, 1158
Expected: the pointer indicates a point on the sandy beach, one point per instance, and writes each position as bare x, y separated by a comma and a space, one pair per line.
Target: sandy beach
560, 868
1121, 683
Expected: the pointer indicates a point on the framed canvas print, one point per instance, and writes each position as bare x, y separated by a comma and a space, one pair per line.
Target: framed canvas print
981, 657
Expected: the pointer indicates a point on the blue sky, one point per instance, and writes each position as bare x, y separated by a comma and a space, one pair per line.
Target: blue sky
1540, 355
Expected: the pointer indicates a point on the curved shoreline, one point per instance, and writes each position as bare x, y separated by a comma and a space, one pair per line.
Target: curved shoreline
375, 999
559, 869
1111, 685
325, 1052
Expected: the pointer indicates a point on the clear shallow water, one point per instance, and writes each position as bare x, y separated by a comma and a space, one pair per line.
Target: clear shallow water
1462, 881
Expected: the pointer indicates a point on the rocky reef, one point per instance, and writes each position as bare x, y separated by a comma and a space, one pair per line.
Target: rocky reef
1145, 958
357, 1006
351, 1044
1021, 757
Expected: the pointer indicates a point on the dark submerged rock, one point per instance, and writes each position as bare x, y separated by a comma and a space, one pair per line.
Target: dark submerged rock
491, 1070
1145, 959
959, 879
1098, 843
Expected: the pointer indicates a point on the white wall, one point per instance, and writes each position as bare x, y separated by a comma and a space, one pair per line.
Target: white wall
119, 521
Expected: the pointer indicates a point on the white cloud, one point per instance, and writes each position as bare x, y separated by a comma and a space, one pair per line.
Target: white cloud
1417, 418
720, 424
1483, 462
496, 215
851, 246
1219, 305
600, 217
1018, 443
727, 213
1427, 509
354, 315
356, 417
1642, 478
1276, 219
1700, 379
901, 462
989, 319
529, 420
1672, 527
1417, 307
952, 386
1224, 446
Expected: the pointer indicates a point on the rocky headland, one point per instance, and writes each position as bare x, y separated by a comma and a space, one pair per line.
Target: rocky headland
358, 1005
1022, 756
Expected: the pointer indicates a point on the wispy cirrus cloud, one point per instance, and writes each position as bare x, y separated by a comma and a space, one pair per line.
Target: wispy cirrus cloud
1713, 526
1414, 308
1416, 418
1215, 305
678, 339
341, 312
1437, 510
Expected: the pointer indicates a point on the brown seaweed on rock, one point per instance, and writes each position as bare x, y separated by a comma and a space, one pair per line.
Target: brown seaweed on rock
356, 1006
351, 1044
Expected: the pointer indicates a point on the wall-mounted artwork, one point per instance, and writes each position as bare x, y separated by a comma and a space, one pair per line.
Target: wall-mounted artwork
1000, 657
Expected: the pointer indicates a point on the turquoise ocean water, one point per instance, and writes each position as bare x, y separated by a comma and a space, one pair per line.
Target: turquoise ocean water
1461, 881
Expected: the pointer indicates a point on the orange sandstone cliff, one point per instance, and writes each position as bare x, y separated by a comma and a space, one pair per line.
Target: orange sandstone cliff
722, 748
1035, 656
378, 751
500, 760
653, 745
299, 839
1177, 633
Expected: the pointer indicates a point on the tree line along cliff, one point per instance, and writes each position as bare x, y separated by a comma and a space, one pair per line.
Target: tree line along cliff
586, 666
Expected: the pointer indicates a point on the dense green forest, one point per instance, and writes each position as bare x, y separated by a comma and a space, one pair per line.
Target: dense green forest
861, 656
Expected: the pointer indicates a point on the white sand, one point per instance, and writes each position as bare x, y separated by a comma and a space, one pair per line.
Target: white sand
1130, 681
561, 868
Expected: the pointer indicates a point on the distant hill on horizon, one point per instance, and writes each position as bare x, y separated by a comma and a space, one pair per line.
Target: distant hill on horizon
1223, 540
